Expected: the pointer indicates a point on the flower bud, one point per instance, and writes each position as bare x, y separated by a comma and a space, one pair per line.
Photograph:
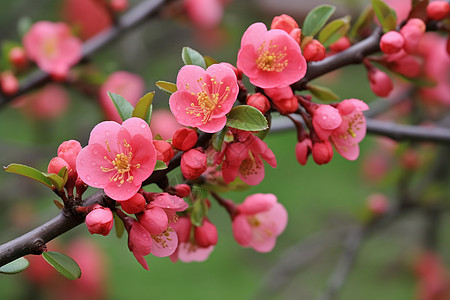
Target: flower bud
325, 119
18, 57
314, 51
288, 24
406, 65
134, 205
9, 83
182, 190
206, 235
154, 219
164, 151
438, 10
302, 151
259, 101
99, 220
380, 83
322, 152
193, 163
286, 106
236, 71
184, 139
340, 45
56, 164
412, 32
68, 151
391, 42
119, 5
378, 204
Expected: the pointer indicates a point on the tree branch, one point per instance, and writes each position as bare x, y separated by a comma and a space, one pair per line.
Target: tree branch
135, 16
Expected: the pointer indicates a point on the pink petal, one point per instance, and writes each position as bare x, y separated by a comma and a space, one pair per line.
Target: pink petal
214, 125
178, 102
165, 244
105, 133
121, 192
279, 216
167, 201
138, 126
257, 203
189, 253
144, 154
252, 171
188, 79
229, 172
327, 117
264, 245
89, 164
242, 231
141, 259
247, 56
254, 34
348, 151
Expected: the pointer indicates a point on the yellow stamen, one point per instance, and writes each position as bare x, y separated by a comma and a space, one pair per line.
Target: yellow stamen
270, 59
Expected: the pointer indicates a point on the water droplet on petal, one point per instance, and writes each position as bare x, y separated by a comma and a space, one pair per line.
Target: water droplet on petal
143, 125
101, 185
81, 162
107, 133
93, 164
95, 151
88, 177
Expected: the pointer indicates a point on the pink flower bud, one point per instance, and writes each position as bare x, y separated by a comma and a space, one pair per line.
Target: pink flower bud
206, 235
322, 152
193, 163
259, 101
380, 83
341, 44
119, 5
154, 219
164, 151
286, 106
378, 204
325, 119
236, 71
412, 32
314, 51
406, 65
18, 57
410, 159
182, 190
288, 24
184, 139
99, 220
134, 205
9, 83
391, 42
56, 164
302, 151
68, 151
438, 10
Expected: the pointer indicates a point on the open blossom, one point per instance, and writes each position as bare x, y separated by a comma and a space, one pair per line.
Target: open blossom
52, 47
118, 158
270, 58
260, 220
352, 129
243, 158
204, 97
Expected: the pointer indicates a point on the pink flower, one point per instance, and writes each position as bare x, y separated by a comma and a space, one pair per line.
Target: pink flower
204, 97
196, 11
243, 159
118, 157
270, 58
352, 129
260, 220
170, 204
437, 10
154, 219
99, 220
52, 47
412, 32
128, 85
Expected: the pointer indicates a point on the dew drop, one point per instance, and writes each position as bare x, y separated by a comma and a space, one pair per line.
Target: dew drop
101, 185
88, 177
95, 151
81, 162
96, 183
143, 125
107, 133
93, 164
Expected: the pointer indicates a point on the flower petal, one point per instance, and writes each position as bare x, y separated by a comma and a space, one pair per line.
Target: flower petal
105, 134
89, 164
165, 244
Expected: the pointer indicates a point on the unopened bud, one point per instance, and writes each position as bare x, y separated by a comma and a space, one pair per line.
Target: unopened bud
68, 151
302, 151
412, 32
391, 42
9, 83
193, 163
340, 45
322, 152
56, 164
206, 235
99, 220
184, 139
134, 205
438, 10
378, 204
154, 219
182, 190
164, 151
259, 101
119, 5
288, 24
380, 83
18, 57
314, 51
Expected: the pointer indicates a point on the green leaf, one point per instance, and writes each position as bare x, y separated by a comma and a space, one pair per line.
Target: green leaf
316, 18
262, 134
64, 174
23, 25
364, 20
160, 165
199, 211
192, 57
210, 61
29, 172
124, 108
334, 31
167, 87
246, 117
118, 225
217, 139
56, 180
385, 14
63, 264
143, 108
322, 93
14, 267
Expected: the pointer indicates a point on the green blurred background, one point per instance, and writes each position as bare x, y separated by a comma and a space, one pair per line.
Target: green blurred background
319, 199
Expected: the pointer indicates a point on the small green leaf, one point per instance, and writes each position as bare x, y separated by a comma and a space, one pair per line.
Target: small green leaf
143, 108
58, 204
14, 267
364, 20
64, 264
385, 14
210, 61
160, 165
217, 139
158, 137
246, 117
316, 18
57, 181
167, 87
322, 93
192, 57
334, 31
29, 172
118, 225
199, 211
64, 174
262, 134
23, 25
124, 108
